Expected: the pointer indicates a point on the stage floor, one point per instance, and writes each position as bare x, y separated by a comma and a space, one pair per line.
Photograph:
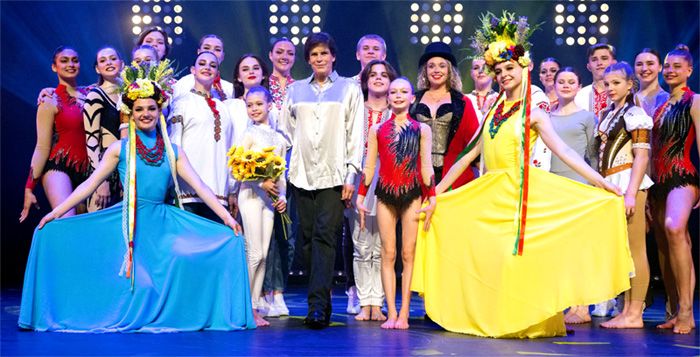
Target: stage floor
345, 337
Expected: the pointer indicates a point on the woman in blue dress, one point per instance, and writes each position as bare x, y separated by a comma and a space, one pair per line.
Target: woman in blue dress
180, 272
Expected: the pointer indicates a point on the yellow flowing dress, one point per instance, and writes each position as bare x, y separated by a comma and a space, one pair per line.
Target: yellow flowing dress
575, 249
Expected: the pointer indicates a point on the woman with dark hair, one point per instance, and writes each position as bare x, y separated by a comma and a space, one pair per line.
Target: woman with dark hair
548, 69
101, 122
221, 89
647, 67
157, 38
60, 157
440, 104
72, 280
675, 194
623, 139
250, 71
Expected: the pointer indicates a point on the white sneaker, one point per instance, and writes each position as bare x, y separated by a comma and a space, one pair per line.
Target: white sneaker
280, 305
603, 309
353, 301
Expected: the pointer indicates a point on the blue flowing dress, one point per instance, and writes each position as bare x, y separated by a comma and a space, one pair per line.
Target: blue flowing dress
190, 273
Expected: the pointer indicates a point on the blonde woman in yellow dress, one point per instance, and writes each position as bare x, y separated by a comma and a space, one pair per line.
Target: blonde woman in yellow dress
507, 253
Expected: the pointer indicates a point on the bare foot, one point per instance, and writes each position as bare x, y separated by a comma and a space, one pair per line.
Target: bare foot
684, 323
668, 324
259, 321
624, 321
402, 323
389, 324
577, 315
377, 314
364, 314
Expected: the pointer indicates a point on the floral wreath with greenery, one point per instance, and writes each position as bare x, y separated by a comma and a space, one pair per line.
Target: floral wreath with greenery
501, 39
138, 81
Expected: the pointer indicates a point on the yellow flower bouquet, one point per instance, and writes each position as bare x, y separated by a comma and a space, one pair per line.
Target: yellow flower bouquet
252, 165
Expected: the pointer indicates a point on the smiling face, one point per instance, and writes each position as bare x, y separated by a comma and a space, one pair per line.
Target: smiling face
438, 71
205, 69
647, 68
509, 75
321, 61
108, 64
566, 86
400, 95
213, 45
617, 85
250, 72
157, 41
282, 56
676, 70
66, 64
547, 72
599, 61
369, 49
145, 113
258, 107
378, 80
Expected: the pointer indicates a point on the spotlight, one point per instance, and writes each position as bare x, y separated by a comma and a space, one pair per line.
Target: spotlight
559, 30
581, 41
559, 8
604, 29
177, 9
136, 30
581, 30
136, 19
570, 41
592, 40
135, 9
604, 7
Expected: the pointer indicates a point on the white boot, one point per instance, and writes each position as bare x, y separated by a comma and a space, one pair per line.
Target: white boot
272, 310
263, 307
353, 301
279, 304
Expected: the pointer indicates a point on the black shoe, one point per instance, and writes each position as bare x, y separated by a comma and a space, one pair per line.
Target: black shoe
316, 320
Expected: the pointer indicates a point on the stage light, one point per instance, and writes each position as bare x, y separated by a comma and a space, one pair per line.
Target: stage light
305, 19
447, 39
136, 19
604, 18
316, 19
146, 20
316, 8
604, 7
570, 41
316, 29
136, 9
581, 41
593, 19
414, 29
284, 19
592, 40
559, 30
582, 17
273, 30
581, 30
167, 20
414, 40
177, 9
178, 19
273, 8
136, 30
295, 8
273, 19
294, 30
570, 19
559, 8
156, 9
178, 30
436, 19
559, 19
424, 40
603, 29
582, 8
559, 41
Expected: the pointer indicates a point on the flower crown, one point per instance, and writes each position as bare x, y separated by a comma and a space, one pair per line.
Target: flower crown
140, 80
503, 39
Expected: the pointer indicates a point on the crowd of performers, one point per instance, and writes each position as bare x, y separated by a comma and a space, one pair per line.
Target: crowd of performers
513, 204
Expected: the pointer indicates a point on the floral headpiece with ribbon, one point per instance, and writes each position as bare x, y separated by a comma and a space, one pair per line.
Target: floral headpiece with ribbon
139, 79
505, 38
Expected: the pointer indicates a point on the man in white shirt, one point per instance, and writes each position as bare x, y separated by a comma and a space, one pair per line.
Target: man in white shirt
323, 116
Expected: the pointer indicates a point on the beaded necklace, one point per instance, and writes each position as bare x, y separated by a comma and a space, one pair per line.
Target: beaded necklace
499, 117
153, 156
217, 116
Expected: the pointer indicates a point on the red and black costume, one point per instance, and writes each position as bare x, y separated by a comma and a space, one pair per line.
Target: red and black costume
68, 149
672, 140
400, 179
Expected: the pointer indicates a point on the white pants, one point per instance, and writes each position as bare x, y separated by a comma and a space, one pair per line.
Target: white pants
367, 263
258, 220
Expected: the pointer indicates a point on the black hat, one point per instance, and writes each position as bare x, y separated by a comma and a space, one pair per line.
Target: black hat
437, 49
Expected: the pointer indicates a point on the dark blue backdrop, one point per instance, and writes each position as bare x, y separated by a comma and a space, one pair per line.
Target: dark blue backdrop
31, 30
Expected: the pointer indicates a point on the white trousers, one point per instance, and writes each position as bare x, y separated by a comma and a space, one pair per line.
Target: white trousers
367, 263
258, 220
